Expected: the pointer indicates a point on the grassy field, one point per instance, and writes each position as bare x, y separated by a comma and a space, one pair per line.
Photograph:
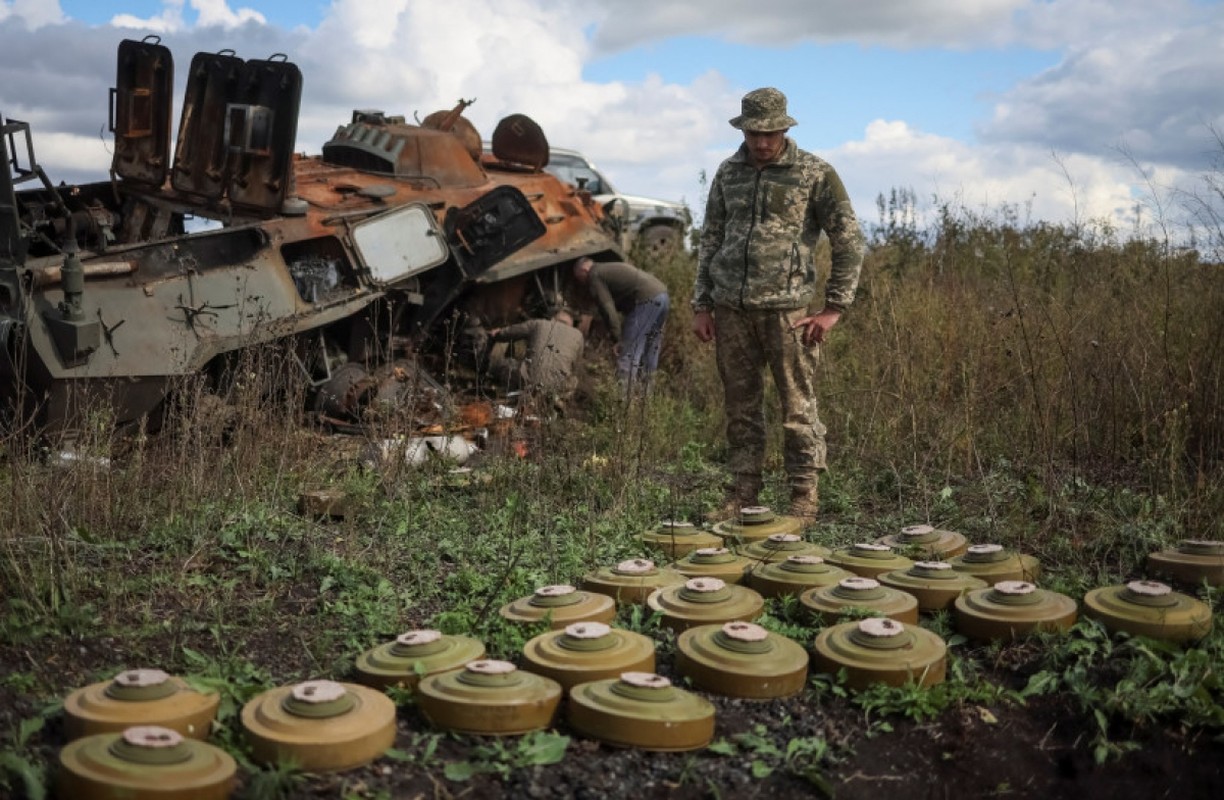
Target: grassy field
1044, 388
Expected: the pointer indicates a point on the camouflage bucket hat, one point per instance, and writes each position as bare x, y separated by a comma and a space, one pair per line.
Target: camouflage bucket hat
763, 110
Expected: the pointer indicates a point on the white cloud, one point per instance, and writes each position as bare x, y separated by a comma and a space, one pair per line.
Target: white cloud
35, 13
69, 151
905, 23
218, 12
372, 24
1031, 182
173, 19
1153, 92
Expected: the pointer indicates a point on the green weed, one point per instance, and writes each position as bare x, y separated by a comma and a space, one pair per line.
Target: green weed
964, 685
500, 757
1129, 683
803, 757
280, 781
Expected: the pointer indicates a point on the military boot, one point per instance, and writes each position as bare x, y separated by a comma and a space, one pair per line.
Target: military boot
743, 491
804, 502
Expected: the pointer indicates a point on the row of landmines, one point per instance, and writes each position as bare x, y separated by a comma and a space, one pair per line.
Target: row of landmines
141, 733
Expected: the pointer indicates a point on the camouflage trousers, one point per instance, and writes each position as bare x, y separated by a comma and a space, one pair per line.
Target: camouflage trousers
746, 342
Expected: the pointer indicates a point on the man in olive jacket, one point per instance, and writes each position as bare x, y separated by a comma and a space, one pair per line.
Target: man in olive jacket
756, 293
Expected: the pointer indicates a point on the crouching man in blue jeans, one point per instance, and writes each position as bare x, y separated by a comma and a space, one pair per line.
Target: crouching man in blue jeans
634, 305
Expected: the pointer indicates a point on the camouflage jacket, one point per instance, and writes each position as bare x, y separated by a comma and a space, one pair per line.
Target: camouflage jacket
761, 228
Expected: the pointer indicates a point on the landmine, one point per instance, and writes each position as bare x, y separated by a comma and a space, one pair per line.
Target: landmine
144, 762
1193, 563
777, 546
703, 601
794, 575
677, 538
643, 710
631, 581
830, 603
934, 583
755, 523
1011, 609
414, 655
993, 563
741, 659
561, 604
931, 542
490, 698
1149, 608
321, 726
881, 650
139, 697
588, 651
868, 559
714, 562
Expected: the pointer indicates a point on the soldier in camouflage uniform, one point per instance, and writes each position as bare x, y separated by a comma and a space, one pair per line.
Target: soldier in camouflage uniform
756, 293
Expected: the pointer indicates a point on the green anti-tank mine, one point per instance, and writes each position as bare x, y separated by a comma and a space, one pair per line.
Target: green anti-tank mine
489, 698
1149, 608
868, 559
139, 697
778, 546
931, 542
1011, 609
755, 523
144, 762
740, 659
588, 651
413, 655
703, 601
714, 562
322, 726
678, 538
562, 604
794, 575
881, 650
1193, 563
830, 603
643, 710
934, 583
993, 563
631, 581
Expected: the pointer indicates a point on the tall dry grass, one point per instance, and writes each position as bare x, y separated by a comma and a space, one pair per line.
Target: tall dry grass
986, 340
1024, 343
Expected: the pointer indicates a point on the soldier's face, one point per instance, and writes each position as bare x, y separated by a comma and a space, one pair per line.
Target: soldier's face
765, 146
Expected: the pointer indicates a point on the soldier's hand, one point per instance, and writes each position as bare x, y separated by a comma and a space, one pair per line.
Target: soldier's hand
815, 327
703, 325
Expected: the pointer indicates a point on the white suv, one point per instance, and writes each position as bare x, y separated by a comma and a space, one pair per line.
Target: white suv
656, 226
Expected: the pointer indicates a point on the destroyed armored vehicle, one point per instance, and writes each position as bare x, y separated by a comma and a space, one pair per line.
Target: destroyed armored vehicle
349, 259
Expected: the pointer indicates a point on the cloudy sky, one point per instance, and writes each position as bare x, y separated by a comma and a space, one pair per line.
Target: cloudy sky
1060, 110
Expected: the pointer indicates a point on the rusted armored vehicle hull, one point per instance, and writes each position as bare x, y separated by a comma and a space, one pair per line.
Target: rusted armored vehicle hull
351, 258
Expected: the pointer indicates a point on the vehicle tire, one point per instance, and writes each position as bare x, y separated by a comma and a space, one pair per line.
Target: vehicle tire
659, 241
